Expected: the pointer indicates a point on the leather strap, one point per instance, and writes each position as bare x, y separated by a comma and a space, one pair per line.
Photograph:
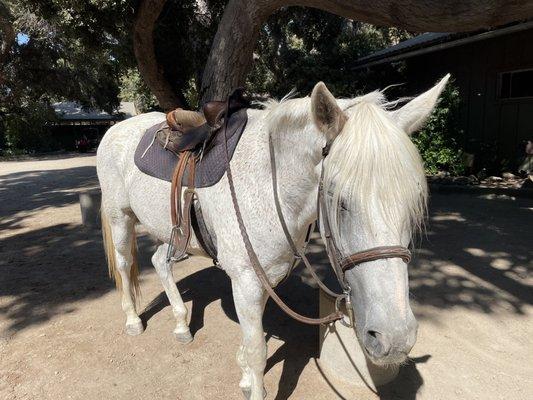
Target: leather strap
331, 246
254, 260
181, 221
175, 189
202, 233
181, 218
376, 253
295, 250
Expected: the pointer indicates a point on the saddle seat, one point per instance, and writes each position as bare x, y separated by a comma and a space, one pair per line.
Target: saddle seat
187, 130
184, 130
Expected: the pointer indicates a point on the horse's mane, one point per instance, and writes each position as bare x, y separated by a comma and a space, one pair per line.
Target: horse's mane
371, 160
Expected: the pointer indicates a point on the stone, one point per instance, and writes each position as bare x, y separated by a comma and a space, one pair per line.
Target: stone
90, 208
495, 179
508, 176
473, 180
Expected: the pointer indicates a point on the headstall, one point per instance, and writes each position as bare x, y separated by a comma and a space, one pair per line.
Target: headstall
339, 264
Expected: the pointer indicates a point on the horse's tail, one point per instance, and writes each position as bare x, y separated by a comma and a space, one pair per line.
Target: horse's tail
109, 248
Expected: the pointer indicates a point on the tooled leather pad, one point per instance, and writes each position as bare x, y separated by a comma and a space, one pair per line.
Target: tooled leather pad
160, 163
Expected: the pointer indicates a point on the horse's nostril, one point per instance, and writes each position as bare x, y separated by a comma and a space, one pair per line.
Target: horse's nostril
377, 344
374, 334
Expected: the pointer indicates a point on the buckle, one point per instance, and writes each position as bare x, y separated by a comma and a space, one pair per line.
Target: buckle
349, 309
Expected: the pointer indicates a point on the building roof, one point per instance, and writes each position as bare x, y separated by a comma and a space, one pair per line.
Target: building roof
424, 40
72, 111
434, 41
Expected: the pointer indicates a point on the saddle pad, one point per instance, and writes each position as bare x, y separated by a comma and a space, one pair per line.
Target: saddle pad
160, 163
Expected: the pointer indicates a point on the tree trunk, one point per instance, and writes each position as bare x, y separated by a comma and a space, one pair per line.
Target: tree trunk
143, 46
231, 54
7, 38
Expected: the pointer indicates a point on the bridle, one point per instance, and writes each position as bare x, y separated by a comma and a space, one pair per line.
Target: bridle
339, 263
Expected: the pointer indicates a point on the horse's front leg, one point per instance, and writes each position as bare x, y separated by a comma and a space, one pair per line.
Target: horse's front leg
250, 300
164, 270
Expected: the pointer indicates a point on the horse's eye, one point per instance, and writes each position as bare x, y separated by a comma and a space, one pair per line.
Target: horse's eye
343, 206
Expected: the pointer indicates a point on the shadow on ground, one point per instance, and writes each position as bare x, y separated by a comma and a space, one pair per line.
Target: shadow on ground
31, 191
447, 272
476, 255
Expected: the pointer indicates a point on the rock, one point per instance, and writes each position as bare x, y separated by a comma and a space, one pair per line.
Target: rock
495, 179
461, 180
528, 183
508, 176
473, 180
443, 174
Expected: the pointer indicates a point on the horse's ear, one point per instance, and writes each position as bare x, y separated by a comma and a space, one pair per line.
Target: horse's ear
327, 115
412, 116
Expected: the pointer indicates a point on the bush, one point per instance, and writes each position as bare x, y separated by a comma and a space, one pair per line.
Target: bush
438, 142
27, 130
133, 88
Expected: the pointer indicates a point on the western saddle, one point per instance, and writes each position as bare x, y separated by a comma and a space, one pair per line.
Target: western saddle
188, 134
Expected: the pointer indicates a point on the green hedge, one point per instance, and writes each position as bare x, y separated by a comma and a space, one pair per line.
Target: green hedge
439, 141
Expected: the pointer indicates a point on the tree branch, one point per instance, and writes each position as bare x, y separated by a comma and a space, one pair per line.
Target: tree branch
230, 58
143, 46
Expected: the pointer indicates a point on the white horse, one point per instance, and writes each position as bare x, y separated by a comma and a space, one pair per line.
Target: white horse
373, 172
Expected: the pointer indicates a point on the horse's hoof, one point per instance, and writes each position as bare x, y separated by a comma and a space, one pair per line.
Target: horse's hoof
134, 329
183, 337
248, 393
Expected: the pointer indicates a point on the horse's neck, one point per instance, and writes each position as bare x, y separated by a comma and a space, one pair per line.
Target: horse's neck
297, 164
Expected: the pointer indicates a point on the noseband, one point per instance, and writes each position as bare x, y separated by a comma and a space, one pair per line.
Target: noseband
340, 264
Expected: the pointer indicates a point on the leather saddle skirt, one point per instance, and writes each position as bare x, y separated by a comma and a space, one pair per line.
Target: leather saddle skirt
154, 160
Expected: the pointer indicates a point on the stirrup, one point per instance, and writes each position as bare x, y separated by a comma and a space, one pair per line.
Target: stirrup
171, 257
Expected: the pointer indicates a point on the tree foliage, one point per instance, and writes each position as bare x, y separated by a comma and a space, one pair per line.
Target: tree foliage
440, 141
301, 46
71, 51
82, 51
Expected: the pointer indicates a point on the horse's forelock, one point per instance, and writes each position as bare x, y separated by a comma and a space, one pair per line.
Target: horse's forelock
372, 161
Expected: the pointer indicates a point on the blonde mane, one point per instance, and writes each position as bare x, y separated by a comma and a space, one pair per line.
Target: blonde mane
372, 161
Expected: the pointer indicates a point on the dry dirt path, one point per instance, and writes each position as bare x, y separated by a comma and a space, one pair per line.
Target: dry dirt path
61, 323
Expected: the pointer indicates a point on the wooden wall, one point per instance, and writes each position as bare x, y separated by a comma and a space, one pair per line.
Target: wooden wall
476, 68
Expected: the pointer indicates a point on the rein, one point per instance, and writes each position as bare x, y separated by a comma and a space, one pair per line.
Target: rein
339, 264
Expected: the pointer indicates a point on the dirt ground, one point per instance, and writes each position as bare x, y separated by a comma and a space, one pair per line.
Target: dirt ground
61, 325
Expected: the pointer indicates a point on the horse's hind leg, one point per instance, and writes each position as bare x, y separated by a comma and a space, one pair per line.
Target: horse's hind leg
164, 270
122, 266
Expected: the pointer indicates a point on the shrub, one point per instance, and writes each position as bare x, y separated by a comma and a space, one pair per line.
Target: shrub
438, 142
27, 129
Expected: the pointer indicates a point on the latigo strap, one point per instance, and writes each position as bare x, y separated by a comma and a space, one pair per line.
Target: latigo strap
181, 217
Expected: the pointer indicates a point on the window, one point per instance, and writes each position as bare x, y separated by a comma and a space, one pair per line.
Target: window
516, 84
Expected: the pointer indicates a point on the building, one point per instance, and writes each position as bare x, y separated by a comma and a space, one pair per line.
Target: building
493, 71
75, 122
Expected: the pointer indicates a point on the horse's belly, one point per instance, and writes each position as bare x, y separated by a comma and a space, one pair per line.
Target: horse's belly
150, 202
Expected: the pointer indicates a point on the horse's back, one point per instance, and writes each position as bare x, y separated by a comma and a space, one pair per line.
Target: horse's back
114, 157
123, 137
